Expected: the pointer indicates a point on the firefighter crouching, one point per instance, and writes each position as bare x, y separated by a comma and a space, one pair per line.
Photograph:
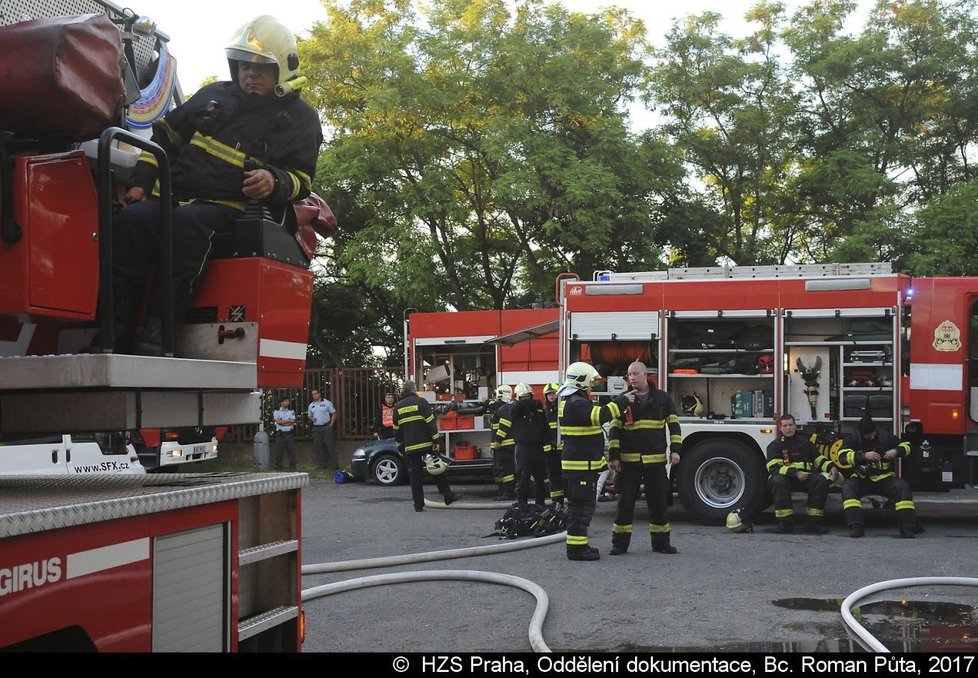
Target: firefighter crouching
551, 450
872, 457
579, 422
638, 454
793, 463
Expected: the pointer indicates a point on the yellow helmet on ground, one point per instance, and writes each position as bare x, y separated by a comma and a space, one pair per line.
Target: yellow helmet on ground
265, 40
737, 521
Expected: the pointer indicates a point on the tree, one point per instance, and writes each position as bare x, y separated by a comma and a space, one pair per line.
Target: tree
482, 151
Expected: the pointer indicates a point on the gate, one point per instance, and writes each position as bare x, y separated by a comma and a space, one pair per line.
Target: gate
356, 393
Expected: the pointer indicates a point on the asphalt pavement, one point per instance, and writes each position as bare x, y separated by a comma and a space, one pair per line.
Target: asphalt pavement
723, 592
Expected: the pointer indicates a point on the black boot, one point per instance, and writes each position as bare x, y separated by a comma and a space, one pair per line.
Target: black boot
816, 526
618, 547
583, 553
660, 544
502, 493
126, 298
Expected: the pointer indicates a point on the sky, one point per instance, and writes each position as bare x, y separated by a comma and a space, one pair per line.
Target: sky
199, 30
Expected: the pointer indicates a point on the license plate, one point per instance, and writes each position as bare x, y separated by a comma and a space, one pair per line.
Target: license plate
200, 449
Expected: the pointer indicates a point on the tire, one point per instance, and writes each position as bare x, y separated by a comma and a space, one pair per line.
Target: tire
389, 469
717, 476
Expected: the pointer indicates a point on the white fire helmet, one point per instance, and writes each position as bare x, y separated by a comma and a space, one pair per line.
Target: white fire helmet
523, 390
737, 521
504, 392
265, 40
578, 378
435, 464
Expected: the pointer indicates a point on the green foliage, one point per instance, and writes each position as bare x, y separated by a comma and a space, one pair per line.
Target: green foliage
475, 150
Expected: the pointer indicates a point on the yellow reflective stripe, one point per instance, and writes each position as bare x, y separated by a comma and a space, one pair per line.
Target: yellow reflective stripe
239, 205
772, 463
880, 477
214, 147
646, 424
407, 408
505, 422
904, 505
906, 448
576, 540
657, 458
673, 419
511, 478
809, 511
631, 457
148, 158
852, 503
419, 446
675, 438
783, 470
781, 513
620, 529
407, 420
580, 430
168, 130
614, 444
585, 465
506, 443
659, 529
556, 493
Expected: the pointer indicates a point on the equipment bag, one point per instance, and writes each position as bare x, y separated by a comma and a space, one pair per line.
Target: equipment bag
61, 76
531, 520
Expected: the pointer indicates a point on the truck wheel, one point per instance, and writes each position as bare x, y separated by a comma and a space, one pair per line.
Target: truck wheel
718, 476
389, 470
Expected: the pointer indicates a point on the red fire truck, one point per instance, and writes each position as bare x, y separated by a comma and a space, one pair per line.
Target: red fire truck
736, 347
458, 360
207, 562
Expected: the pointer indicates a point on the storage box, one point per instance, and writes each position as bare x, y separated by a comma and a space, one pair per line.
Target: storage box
742, 405
455, 422
881, 405
466, 452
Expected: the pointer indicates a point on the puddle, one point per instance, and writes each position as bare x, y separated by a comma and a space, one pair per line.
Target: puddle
900, 625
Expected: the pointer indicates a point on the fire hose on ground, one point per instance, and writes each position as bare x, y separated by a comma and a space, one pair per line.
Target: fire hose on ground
542, 600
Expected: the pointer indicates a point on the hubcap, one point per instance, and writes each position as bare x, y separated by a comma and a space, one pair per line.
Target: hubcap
386, 471
719, 483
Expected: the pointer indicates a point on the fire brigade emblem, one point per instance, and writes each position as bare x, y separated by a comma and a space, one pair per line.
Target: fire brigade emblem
947, 337
236, 314
576, 291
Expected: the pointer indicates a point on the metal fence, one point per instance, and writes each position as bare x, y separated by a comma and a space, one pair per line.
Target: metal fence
356, 393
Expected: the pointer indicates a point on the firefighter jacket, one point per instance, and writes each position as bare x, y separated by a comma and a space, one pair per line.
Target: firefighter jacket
415, 429
640, 434
220, 132
528, 423
580, 423
788, 456
852, 456
550, 409
501, 425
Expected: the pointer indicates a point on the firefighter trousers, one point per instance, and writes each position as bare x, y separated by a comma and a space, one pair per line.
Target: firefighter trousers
136, 249
816, 485
415, 468
895, 489
581, 489
504, 469
531, 472
556, 475
630, 479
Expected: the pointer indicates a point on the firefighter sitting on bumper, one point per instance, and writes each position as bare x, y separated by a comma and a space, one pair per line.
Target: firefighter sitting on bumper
579, 422
794, 464
638, 455
872, 457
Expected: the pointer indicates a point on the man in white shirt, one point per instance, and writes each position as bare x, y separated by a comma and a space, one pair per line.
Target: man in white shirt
285, 433
322, 414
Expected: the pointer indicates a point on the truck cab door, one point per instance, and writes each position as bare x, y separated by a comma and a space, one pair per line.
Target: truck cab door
35, 456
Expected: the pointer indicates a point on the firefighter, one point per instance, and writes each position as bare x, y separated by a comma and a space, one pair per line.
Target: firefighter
638, 455
551, 451
794, 464
248, 139
416, 434
872, 455
384, 423
503, 446
530, 431
583, 459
